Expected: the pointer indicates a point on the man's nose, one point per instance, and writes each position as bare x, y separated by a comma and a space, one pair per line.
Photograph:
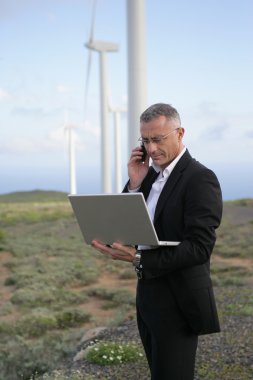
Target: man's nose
151, 147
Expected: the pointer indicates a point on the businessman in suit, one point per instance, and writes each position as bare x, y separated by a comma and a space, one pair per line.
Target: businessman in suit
175, 301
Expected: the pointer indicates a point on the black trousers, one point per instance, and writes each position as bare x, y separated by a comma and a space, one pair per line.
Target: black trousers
170, 347
170, 351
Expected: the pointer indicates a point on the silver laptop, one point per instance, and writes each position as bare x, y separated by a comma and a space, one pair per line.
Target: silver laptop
115, 217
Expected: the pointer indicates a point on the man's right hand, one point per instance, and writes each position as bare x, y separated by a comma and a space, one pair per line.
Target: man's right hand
137, 170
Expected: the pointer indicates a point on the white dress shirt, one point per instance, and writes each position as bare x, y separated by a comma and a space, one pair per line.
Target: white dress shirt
157, 188
159, 183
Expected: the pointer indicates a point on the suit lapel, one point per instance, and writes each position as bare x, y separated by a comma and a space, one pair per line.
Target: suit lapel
171, 182
148, 182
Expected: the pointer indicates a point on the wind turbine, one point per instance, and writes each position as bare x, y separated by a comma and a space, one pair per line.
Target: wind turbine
137, 92
117, 146
102, 47
69, 129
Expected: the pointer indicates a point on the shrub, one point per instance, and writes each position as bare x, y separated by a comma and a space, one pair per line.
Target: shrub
2, 236
2, 239
42, 320
10, 281
36, 296
127, 274
115, 297
36, 324
107, 353
71, 318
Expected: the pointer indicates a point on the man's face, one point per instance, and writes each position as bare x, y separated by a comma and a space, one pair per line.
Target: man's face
165, 151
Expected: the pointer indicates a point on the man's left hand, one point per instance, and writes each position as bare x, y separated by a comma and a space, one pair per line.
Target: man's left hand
116, 251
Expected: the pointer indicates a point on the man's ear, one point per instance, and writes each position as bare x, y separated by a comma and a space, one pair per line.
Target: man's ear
181, 133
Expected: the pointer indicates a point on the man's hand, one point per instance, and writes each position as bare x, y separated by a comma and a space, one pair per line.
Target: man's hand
137, 170
116, 251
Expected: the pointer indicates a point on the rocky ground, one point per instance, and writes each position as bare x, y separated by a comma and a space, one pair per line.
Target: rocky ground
227, 355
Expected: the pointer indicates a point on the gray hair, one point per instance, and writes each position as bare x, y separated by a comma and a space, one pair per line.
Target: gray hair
160, 109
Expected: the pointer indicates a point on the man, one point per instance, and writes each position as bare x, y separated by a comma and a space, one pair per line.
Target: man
175, 301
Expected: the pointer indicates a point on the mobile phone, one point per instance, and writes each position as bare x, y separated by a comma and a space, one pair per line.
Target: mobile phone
144, 153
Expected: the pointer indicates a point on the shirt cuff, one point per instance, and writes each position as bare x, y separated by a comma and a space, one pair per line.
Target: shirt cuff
133, 190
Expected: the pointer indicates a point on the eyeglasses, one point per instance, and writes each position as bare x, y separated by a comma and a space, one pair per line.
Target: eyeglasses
156, 140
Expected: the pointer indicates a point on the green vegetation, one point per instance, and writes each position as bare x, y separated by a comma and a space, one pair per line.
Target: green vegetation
33, 212
2, 239
230, 275
242, 202
48, 275
51, 280
33, 196
114, 297
108, 353
226, 372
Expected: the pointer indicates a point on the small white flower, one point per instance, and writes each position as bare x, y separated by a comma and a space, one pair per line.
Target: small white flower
140, 354
104, 357
96, 349
112, 352
111, 358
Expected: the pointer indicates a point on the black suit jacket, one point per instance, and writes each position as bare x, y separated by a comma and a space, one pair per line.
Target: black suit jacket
189, 210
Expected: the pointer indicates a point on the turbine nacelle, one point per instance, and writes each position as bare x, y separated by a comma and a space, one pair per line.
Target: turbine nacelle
102, 46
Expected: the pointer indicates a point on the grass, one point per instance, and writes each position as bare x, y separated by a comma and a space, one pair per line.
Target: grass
235, 241
226, 372
51, 275
224, 274
242, 202
33, 212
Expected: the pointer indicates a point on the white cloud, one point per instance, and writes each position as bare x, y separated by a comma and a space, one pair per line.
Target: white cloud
207, 108
34, 112
249, 134
4, 95
215, 132
90, 129
55, 142
62, 89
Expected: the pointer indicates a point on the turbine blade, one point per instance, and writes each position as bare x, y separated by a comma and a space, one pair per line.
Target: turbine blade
87, 80
93, 20
89, 57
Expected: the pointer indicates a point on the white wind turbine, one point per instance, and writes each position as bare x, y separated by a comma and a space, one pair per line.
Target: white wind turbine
69, 129
137, 82
102, 47
117, 145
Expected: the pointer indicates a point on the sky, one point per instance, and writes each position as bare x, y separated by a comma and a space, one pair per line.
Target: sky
199, 58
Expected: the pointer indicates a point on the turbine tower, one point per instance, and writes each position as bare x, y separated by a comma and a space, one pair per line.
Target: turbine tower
137, 91
102, 47
117, 146
68, 128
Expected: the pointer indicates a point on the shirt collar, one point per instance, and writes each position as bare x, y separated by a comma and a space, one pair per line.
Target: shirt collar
167, 171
